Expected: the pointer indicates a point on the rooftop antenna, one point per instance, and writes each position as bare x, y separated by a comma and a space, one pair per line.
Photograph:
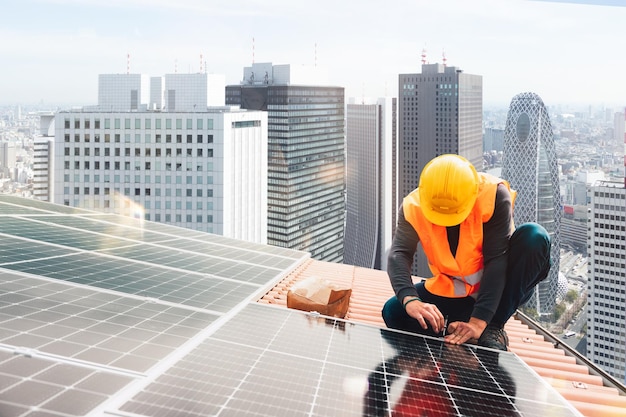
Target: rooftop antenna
443, 55
315, 57
175, 66
253, 50
127, 63
201, 63
423, 56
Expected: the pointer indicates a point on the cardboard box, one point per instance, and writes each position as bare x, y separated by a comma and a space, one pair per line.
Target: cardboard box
316, 294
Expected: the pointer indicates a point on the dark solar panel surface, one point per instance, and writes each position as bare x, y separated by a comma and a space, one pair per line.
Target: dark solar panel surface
270, 361
109, 315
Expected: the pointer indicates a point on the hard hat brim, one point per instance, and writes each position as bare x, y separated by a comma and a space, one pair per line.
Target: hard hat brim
446, 219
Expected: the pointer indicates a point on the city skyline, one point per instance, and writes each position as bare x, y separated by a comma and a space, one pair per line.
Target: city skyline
558, 50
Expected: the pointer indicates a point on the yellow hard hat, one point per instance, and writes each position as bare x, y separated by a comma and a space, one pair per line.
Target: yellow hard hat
448, 189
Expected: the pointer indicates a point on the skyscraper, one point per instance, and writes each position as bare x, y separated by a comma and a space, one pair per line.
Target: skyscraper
306, 163
530, 165
166, 149
43, 148
439, 112
606, 302
371, 183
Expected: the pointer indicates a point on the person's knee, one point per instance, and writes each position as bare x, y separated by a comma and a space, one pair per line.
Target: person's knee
533, 237
388, 312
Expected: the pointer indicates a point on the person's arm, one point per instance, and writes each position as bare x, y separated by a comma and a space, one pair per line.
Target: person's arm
400, 258
496, 235
399, 265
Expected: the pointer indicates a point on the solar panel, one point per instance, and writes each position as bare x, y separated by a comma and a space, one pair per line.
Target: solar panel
136, 257
105, 314
271, 361
88, 325
47, 387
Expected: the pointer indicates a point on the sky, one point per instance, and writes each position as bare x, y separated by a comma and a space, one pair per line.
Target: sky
568, 52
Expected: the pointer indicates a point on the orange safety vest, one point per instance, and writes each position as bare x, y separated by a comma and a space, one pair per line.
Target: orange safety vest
460, 275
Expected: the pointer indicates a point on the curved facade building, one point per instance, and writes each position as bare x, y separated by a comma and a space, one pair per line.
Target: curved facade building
530, 165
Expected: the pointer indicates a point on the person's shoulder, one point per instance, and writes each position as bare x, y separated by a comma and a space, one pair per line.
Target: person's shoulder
502, 193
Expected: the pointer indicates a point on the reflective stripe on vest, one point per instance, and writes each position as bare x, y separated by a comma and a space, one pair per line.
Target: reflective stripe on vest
460, 283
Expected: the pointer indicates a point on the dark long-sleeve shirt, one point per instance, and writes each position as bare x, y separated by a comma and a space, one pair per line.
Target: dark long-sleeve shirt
496, 235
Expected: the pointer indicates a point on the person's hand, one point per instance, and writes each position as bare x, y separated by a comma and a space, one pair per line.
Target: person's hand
425, 314
460, 332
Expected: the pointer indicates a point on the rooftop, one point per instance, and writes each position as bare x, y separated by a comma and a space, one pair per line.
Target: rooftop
109, 315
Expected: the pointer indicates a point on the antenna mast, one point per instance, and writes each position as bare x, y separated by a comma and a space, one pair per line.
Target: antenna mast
252, 50
127, 63
443, 55
423, 56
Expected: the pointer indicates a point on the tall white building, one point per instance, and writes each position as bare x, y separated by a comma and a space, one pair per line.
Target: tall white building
8, 157
166, 149
43, 147
42, 167
371, 183
606, 303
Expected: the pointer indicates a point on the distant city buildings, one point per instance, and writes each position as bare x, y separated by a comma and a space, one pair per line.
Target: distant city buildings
493, 139
306, 163
439, 112
166, 149
574, 228
371, 186
8, 159
619, 131
530, 165
606, 305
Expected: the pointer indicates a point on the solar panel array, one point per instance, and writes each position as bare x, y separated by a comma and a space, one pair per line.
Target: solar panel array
109, 315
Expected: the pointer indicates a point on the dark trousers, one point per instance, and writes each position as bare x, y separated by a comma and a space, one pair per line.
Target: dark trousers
528, 264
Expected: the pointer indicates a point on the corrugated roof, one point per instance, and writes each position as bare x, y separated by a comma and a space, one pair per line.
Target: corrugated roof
585, 388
